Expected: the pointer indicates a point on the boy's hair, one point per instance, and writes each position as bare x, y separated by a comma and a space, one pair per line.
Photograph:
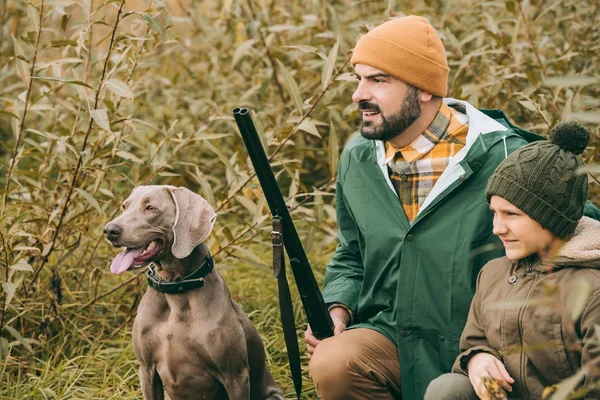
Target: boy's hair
546, 179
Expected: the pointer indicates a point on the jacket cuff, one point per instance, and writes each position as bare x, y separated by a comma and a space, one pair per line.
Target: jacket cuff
460, 365
341, 291
345, 307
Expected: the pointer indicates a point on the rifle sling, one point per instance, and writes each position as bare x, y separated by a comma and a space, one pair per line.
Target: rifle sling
285, 305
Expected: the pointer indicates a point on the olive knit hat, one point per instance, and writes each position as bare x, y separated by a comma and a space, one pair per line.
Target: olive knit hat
409, 49
545, 179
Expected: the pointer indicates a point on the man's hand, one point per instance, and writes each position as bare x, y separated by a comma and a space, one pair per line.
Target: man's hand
484, 365
340, 317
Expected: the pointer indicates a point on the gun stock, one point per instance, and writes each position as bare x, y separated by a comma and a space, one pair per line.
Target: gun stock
312, 301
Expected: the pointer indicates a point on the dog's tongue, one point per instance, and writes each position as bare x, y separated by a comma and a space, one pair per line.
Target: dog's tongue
124, 260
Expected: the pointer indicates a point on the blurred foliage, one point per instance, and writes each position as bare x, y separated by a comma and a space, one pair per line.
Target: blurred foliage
98, 97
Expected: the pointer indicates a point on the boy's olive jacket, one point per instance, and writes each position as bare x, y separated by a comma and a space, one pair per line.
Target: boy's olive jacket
414, 282
538, 316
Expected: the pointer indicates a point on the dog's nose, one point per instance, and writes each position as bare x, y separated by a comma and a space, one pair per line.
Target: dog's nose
112, 231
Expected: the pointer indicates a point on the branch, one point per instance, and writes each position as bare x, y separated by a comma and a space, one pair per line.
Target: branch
73, 183
289, 136
103, 295
270, 57
530, 38
13, 160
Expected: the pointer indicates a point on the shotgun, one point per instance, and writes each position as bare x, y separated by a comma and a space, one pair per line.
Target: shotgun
312, 301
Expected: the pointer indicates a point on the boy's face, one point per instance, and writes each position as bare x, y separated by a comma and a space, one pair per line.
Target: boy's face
521, 235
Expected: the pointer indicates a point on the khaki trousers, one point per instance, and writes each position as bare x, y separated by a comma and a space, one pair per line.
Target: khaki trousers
451, 386
356, 364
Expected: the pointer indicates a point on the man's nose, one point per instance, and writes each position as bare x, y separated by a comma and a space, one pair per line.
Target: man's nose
361, 93
112, 231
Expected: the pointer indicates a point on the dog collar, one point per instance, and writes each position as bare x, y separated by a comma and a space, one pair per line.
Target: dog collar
180, 285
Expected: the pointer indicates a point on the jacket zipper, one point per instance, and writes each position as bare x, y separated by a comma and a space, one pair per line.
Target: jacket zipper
521, 315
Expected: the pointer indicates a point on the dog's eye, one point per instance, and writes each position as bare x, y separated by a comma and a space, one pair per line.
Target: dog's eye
150, 208
123, 206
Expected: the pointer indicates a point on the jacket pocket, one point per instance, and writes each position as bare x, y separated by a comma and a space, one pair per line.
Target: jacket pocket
563, 366
447, 352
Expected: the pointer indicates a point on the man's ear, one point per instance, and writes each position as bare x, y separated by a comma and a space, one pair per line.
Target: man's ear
194, 220
425, 97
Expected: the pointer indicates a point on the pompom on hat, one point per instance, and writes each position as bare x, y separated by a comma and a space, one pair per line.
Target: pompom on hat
409, 49
546, 180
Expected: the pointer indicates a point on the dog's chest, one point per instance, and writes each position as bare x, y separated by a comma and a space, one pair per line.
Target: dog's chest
176, 341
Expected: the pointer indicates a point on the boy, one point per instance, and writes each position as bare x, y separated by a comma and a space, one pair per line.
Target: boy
519, 330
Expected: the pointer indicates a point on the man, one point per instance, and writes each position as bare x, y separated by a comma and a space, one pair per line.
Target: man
414, 224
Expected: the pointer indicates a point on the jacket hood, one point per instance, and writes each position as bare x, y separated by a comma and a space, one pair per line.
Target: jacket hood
584, 247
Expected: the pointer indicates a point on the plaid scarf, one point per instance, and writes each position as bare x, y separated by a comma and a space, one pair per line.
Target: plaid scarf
415, 169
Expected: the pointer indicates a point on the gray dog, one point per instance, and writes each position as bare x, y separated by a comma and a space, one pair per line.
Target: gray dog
189, 337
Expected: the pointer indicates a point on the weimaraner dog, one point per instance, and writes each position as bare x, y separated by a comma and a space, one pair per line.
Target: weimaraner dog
190, 338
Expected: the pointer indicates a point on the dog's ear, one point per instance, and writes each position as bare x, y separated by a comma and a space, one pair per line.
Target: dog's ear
194, 219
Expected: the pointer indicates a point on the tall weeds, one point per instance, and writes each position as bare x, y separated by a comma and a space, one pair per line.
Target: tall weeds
98, 97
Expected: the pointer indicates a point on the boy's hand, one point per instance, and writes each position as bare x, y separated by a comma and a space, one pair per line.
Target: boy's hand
340, 317
483, 365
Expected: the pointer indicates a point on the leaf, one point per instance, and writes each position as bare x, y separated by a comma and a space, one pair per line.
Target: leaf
107, 192
247, 203
515, 304
21, 65
128, 156
33, 15
90, 199
528, 104
3, 348
18, 336
473, 35
347, 76
26, 248
282, 28
334, 148
510, 6
211, 136
101, 118
155, 25
309, 126
249, 255
10, 114
241, 51
23, 265
63, 80
10, 289
565, 387
48, 246
292, 87
62, 43
329, 66
571, 80
304, 48
119, 88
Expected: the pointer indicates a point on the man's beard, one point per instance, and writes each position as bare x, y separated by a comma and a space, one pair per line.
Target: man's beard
395, 124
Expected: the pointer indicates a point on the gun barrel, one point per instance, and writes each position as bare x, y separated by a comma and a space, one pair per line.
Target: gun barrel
310, 294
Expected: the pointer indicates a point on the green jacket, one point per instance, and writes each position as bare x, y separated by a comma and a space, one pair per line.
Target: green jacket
414, 282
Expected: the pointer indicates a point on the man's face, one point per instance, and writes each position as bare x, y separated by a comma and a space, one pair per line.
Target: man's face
387, 104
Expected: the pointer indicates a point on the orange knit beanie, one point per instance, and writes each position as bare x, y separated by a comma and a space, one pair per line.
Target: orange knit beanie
409, 49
